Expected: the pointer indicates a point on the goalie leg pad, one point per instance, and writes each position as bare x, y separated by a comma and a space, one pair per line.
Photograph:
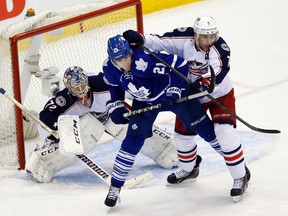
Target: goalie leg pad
160, 147
46, 160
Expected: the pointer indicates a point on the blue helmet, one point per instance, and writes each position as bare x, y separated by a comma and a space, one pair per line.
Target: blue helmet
118, 47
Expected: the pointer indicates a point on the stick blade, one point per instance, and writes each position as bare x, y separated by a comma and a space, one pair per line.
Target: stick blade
141, 179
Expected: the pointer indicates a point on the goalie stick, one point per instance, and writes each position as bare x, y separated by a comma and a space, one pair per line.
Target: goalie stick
96, 169
272, 131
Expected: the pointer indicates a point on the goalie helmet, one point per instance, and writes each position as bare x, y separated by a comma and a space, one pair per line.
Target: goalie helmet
76, 81
118, 48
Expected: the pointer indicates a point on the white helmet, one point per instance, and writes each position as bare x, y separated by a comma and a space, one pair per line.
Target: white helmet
205, 25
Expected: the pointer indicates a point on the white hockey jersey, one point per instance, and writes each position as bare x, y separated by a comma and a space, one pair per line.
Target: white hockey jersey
182, 42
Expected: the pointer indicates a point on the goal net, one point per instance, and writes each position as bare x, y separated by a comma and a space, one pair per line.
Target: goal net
35, 52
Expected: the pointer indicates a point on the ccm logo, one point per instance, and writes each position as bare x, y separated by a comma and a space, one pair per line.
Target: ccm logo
76, 132
44, 153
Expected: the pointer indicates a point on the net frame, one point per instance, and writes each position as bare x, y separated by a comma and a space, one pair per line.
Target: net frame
34, 31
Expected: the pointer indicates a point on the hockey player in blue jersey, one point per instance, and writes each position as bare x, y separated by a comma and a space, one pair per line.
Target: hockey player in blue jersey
149, 82
201, 46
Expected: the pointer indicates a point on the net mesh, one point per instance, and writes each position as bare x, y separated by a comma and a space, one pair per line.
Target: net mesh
81, 43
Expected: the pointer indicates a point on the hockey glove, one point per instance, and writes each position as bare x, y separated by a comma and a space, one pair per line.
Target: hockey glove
200, 85
172, 94
134, 38
117, 110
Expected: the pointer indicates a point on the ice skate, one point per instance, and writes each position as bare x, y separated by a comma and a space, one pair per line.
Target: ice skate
239, 189
113, 196
183, 176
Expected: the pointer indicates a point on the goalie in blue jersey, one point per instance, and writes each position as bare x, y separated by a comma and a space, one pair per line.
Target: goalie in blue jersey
150, 82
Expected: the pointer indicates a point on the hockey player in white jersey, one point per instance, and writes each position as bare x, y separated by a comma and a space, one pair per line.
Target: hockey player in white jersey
201, 46
86, 96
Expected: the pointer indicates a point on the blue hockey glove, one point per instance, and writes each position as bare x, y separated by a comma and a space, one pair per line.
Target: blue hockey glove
117, 110
172, 94
200, 85
134, 38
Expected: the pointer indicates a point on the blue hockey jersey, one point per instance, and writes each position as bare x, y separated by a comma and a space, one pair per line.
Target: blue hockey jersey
148, 79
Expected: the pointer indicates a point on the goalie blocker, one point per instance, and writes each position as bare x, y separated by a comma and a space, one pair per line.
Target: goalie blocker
44, 161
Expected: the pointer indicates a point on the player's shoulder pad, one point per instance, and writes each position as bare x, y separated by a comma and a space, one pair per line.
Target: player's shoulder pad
111, 73
62, 99
139, 53
97, 84
64, 93
180, 32
222, 46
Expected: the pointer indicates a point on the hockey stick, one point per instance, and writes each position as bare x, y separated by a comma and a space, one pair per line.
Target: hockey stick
96, 169
106, 177
211, 97
209, 90
159, 105
190, 97
261, 130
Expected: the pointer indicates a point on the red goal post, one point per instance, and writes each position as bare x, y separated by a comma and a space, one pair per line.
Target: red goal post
35, 52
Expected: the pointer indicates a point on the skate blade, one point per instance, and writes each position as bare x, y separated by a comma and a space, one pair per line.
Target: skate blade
108, 209
239, 198
186, 181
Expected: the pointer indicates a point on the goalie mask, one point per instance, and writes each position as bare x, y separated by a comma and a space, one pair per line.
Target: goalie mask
206, 32
76, 81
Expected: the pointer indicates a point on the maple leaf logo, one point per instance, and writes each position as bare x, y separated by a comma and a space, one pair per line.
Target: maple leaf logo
142, 92
141, 64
